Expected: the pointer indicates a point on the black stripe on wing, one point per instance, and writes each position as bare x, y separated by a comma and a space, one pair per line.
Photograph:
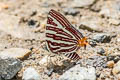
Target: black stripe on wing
57, 48
60, 38
73, 56
58, 31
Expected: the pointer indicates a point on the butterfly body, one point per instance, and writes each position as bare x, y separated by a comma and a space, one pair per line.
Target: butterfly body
62, 37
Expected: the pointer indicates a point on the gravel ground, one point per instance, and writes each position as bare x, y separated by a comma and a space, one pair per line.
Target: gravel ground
22, 25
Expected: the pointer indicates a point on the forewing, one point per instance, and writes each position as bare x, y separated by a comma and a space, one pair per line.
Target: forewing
66, 24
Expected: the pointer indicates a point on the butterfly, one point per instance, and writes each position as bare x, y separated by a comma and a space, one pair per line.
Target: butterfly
62, 37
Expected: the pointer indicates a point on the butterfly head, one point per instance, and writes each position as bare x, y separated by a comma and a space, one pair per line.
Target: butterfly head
83, 42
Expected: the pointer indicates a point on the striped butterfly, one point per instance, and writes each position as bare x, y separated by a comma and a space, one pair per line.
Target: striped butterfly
62, 37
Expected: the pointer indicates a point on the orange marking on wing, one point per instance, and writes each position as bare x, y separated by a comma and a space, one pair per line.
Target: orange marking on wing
83, 42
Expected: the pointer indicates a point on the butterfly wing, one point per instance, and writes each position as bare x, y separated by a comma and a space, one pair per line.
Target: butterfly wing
61, 36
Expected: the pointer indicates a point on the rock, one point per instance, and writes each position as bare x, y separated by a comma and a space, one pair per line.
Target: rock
110, 64
70, 11
116, 70
18, 53
82, 3
111, 9
90, 23
115, 58
92, 43
9, 67
31, 74
101, 51
102, 37
79, 73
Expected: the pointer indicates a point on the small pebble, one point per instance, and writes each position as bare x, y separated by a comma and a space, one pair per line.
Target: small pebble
31, 23
110, 64
101, 51
30, 74
114, 58
92, 43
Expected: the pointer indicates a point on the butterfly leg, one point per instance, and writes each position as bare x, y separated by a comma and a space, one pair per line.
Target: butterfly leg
51, 63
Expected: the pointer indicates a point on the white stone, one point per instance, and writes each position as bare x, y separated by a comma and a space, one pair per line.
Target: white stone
30, 74
79, 73
82, 3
